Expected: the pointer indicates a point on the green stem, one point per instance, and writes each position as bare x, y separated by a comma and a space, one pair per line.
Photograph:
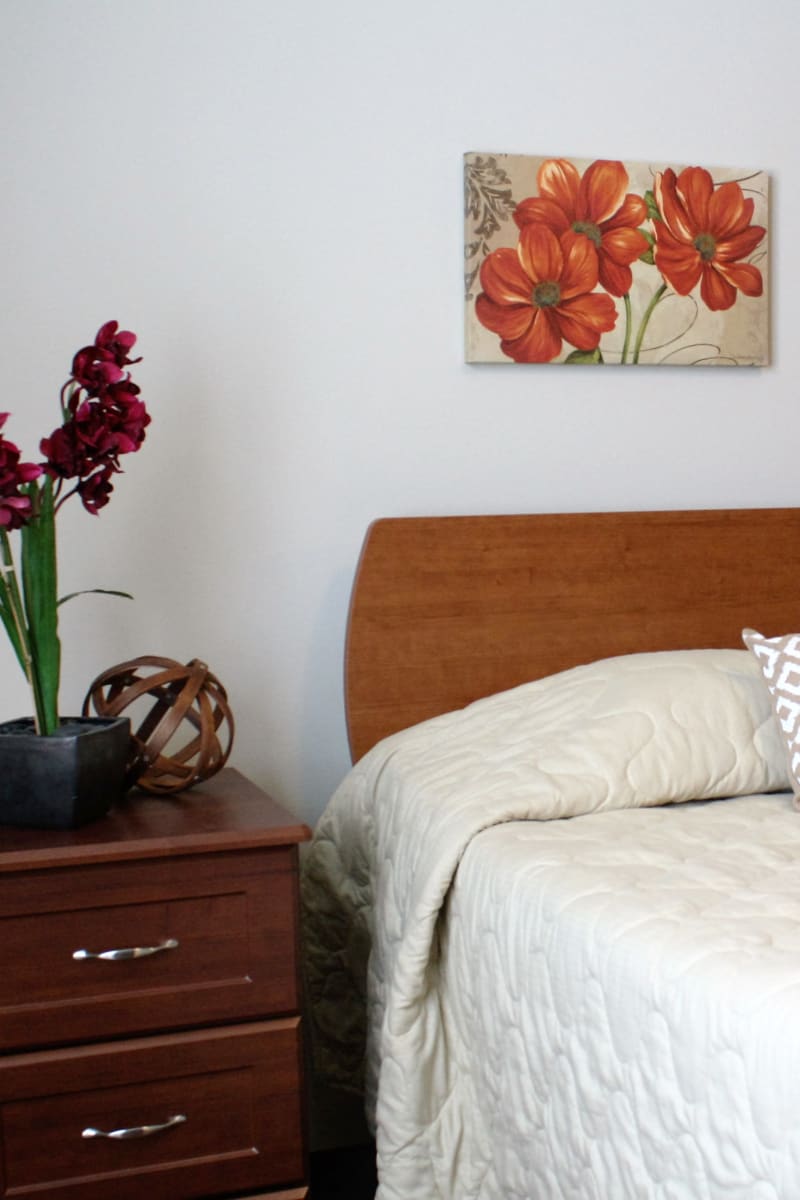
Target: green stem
39, 589
648, 312
9, 610
627, 342
12, 613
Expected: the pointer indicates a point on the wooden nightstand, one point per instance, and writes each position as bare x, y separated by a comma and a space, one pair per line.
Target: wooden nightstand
150, 1041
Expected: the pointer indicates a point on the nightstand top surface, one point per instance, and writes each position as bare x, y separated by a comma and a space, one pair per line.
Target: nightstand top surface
227, 812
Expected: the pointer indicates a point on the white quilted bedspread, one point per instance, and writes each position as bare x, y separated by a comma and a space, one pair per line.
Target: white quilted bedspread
591, 1009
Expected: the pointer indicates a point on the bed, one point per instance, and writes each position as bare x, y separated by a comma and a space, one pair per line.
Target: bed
552, 914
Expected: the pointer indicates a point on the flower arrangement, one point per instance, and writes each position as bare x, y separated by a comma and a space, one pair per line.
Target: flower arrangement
569, 278
102, 418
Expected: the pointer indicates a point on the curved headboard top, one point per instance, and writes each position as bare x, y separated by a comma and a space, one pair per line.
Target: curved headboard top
445, 610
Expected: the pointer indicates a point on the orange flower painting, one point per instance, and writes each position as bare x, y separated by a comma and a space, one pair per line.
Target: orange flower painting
543, 293
600, 261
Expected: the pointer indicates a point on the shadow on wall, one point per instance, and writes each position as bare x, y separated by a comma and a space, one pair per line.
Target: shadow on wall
324, 728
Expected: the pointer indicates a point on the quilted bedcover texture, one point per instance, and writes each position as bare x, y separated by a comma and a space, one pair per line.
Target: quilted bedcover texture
547, 1008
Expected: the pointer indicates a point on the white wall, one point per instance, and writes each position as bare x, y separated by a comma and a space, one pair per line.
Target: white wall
270, 196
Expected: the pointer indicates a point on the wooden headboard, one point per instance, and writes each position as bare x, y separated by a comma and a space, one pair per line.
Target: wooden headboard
448, 609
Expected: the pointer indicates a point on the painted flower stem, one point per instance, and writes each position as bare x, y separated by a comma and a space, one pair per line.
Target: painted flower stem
628, 327
648, 312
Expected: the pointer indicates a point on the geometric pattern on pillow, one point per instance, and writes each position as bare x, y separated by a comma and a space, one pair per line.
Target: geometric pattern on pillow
779, 659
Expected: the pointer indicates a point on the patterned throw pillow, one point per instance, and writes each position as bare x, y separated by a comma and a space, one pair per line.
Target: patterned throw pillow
779, 659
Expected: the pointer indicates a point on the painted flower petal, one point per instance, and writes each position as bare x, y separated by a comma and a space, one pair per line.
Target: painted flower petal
680, 264
728, 211
583, 321
545, 212
740, 244
602, 191
715, 291
743, 276
696, 188
671, 207
615, 278
503, 279
509, 321
623, 246
540, 254
559, 180
682, 274
632, 213
541, 343
581, 269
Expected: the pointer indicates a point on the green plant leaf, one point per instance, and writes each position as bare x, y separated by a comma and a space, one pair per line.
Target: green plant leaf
7, 617
648, 256
7, 577
584, 356
95, 592
39, 587
652, 207
12, 612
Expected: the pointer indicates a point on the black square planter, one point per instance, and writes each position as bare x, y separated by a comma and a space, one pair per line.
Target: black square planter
65, 779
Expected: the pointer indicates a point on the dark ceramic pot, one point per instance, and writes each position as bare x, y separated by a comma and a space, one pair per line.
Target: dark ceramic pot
65, 779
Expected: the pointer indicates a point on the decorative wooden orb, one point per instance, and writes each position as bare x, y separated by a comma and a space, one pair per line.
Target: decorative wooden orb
178, 741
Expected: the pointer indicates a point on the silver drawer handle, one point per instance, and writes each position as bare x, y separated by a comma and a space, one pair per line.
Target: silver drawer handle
135, 1131
129, 952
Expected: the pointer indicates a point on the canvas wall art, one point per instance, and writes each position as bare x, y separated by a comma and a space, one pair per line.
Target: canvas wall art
571, 260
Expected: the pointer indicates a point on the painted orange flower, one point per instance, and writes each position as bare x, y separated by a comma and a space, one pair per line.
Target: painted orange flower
542, 294
704, 234
595, 205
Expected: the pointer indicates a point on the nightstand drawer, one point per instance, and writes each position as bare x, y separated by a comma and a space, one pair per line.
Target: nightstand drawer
218, 932
225, 1104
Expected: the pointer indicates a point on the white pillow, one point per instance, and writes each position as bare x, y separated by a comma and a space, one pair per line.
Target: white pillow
625, 732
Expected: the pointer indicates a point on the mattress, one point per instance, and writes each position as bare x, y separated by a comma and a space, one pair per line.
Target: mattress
554, 938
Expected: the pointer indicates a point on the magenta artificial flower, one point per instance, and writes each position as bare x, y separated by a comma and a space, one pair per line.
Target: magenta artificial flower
95, 492
103, 417
125, 415
118, 342
15, 508
95, 371
98, 366
75, 449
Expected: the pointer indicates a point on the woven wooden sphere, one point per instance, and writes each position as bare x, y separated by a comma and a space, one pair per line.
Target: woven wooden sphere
185, 735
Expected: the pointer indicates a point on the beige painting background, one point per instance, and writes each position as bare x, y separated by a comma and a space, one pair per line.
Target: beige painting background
682, 330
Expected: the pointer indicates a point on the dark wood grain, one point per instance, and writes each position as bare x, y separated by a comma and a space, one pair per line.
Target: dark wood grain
227, 812
211, 1023
238, 1088
233, 915
448, 609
